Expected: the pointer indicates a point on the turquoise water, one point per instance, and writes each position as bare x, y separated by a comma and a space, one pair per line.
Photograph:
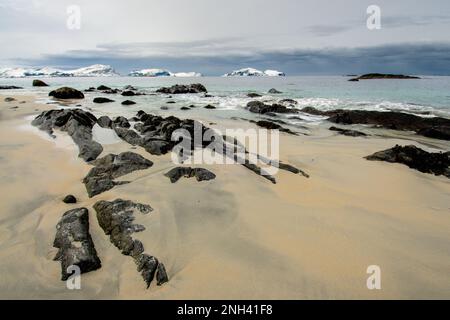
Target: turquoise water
429, 96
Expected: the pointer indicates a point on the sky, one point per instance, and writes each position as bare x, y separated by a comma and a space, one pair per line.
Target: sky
298, 37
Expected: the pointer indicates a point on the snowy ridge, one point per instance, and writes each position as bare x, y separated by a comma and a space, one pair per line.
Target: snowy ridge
162, 73
96, 70
251, 72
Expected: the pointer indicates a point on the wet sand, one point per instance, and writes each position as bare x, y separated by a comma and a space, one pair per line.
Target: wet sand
238, 236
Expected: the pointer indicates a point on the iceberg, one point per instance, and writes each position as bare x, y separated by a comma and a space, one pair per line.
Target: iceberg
96, 70
251, 72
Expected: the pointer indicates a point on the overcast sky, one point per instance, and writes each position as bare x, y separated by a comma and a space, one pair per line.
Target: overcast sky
214, 37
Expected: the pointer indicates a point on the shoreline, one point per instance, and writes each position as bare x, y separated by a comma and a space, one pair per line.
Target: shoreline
237, 236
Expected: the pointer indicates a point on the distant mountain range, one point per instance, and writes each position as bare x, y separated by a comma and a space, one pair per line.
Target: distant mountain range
250, 72
96, 70
100, 70
162, 73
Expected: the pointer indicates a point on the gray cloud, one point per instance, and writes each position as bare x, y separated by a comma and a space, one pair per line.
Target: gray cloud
410, 58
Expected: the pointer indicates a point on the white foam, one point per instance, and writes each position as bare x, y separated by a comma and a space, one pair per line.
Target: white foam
105, 136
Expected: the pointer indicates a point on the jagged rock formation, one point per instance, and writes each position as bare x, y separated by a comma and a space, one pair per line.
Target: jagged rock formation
200, 174
77, 123
416, 158
75, 243
101, 177
116, 219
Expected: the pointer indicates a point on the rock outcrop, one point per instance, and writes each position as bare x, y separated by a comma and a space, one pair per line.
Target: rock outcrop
39, 83
181, 88
77, 123
372, 76
348, 132
66, 93
102, 100
435, 127
101, 177
200, 174
262, 108
116, 219
75, 244
416, 158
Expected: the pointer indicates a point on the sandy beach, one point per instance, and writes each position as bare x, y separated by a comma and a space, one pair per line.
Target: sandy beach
237, 236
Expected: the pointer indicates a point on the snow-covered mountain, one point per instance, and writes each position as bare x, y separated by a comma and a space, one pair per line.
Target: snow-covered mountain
96, 70
251, 72
162, 73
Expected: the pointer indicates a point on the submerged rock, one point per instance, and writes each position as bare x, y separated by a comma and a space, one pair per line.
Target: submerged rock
416, 158
262, 108
5, 87
348, 132
101, 177
199, 173
66, 93
103, 88
182, 88
39, 83
253, 95
77, 123
128, 103
274, 91
9, 99
70, 199
102, 100
209, 107
75, 243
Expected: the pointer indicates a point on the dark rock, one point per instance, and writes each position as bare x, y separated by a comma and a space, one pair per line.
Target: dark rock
66, 93
70, 199
129, 87
121, 122
147, 265
181, 88
435, 127
170, 102
185, 108
371, 76
103, 88
101, 177
270, 125
116, 219
9, 87
77, 123
161, 275
90, 89
274, 91
128, 103
9, 99
199, 173
253, 95
39, 83
260, 107
104, 122
129, 135
209, 107
164, 108
75, 243
438, 132
416, 158
347, 132
102, 100
354, 80
128, 93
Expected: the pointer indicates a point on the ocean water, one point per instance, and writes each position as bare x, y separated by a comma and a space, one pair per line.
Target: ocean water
429, 96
